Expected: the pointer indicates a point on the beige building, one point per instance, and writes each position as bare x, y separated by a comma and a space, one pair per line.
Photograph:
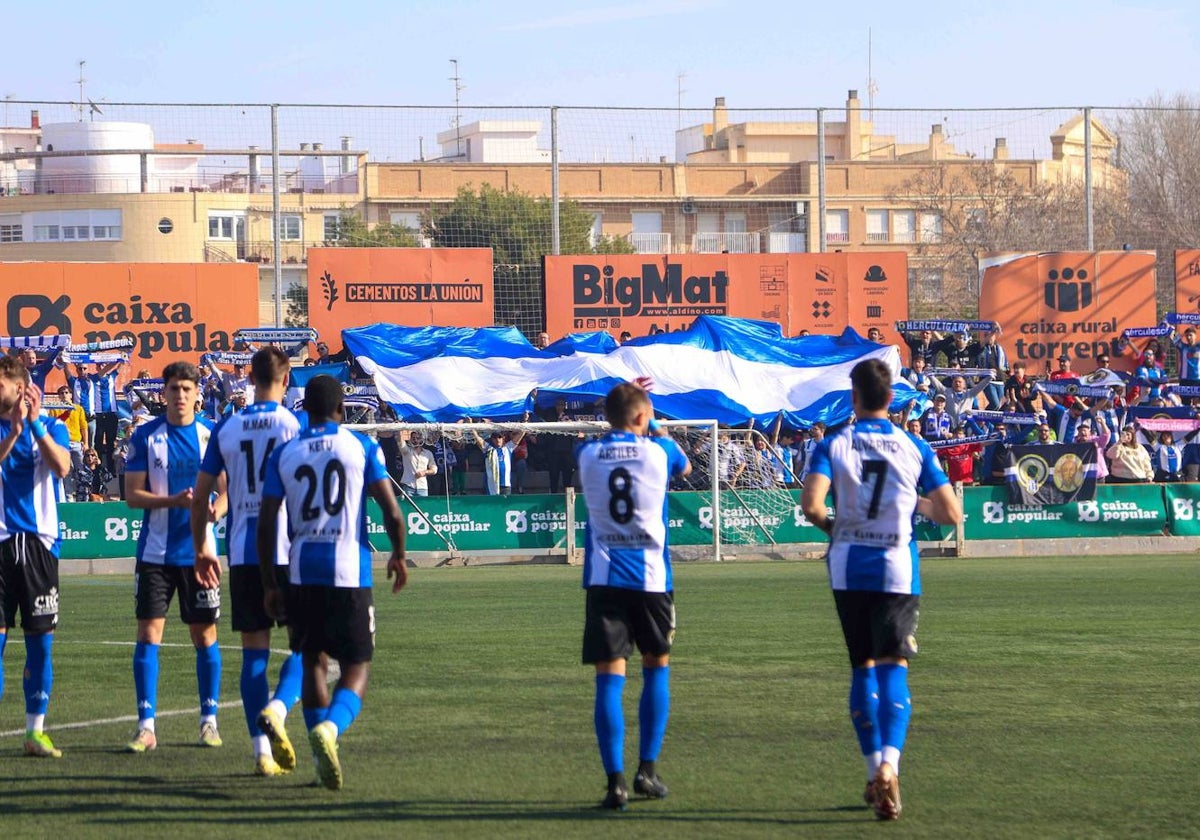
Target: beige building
746, 187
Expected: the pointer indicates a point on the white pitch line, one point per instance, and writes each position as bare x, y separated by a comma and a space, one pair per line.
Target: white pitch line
85, 724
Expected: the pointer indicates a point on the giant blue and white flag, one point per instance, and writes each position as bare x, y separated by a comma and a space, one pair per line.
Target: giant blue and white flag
727, 369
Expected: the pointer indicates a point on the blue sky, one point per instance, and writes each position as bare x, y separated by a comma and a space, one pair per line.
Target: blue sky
756, 54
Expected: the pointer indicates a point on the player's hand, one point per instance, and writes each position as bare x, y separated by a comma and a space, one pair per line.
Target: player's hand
33, 400
208, 570
398, 568
274, 604
16, 417
182, 499
646, 383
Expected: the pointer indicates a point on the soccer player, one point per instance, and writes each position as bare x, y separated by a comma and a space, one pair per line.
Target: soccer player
239, 448
34, 456
627, 575
324, 476
160, 478
880, 477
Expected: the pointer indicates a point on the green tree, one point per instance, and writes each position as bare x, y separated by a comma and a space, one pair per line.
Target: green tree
518, 229
352, 232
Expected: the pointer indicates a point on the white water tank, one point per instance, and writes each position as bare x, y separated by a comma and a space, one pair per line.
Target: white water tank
94, 173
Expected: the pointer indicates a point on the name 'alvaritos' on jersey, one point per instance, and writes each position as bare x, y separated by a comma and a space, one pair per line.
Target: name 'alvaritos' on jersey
636, 295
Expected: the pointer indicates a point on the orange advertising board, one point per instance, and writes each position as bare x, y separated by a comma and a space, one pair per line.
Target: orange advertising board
641, 293
1073, 303
416, 287
172, 311
1187, 280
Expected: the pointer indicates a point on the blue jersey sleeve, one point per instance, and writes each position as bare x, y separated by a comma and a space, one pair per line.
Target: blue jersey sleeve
136, 461
273, 483
820, 460
932, 475
376, 467
213, 462
676, 460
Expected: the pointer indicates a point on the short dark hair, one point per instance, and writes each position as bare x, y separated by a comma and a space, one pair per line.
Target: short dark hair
11, 368
323, 396
181, 370
872, 381
623, 403
269, 365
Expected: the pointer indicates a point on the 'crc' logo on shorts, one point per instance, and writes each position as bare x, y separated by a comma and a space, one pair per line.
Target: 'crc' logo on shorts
208, 599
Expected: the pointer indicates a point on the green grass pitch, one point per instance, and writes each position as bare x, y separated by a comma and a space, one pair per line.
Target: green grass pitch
1054, 697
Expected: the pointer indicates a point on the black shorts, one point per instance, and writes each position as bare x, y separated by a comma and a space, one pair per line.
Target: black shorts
332, 620
878, 625
155, 584
29, 582
246, 593
617, 618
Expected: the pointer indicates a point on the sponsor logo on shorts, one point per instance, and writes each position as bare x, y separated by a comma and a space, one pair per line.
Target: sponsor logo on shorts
208, 599
46, 604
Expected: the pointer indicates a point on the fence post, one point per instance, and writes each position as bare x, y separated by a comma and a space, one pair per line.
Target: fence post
555, 231
960, 528
1089, 208
569, 496
278, 272
820, 180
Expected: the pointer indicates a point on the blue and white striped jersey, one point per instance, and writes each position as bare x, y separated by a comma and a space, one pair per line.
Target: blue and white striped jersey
323, 476
877, 471
625, 478
170, 458
28, 489
497, 466
239, 447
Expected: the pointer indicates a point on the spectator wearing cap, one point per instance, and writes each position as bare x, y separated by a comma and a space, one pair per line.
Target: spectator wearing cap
936, 422
497, 461
416, 464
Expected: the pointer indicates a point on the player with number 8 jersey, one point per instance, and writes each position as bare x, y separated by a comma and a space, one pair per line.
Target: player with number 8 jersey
627, 574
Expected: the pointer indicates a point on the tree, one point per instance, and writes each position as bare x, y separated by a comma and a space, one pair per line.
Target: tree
352, 232
518, 229
984, 208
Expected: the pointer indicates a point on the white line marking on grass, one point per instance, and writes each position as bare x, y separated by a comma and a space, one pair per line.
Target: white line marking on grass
85, 724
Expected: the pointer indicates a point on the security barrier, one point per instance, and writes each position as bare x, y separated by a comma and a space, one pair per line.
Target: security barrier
541, 523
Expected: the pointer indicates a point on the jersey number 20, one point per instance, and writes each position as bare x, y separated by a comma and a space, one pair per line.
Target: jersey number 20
332, 484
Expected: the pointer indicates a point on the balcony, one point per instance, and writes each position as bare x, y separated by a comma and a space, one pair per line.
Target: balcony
650, 243
725, 243
837, 238
291, 252
783, 242
877, 237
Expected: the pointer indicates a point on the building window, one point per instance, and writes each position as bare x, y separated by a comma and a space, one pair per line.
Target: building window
904, 226
290, 228
11, 233
220, 226
927, 284
931, 227
331, 227
74, 225
877, 226
45, 233
596, 230
406, 219
837, 227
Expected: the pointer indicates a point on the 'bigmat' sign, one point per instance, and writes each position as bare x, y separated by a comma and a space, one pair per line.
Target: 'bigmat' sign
1070, 302
416, 287
822, 293
172, 311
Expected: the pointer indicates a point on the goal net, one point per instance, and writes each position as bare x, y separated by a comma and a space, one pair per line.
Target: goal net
739, 497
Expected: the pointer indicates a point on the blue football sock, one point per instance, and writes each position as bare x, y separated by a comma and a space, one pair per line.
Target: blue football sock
314, 715
255, 691
290, 674
39, 675
653, 709
864, 709
3, 642
610, 721
208, 678
344, 709
895, 706
145, 678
